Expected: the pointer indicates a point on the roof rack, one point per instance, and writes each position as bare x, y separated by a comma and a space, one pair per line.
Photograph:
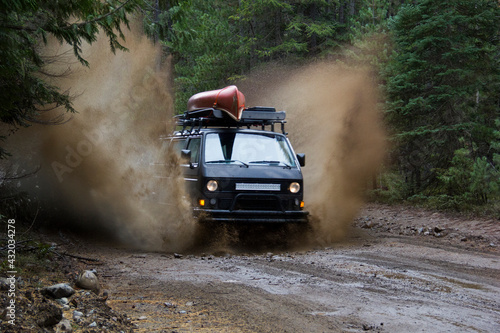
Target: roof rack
194, 121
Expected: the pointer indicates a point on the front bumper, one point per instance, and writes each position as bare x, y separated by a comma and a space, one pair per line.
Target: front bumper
251, 216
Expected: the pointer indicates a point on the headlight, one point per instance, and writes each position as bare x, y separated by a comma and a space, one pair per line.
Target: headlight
212, 185
294, 187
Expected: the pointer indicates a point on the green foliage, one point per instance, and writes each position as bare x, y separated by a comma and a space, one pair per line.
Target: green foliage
43, 250
214, 42
32, 257
391, 190
14, 203
273, 29
468, 182
371, 44
25, 26
204, 45
156, 18
443, 84
372, 18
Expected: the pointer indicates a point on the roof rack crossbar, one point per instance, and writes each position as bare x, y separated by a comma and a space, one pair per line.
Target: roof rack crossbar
255, 116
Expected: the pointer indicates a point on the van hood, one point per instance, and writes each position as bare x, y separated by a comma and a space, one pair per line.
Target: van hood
258, 172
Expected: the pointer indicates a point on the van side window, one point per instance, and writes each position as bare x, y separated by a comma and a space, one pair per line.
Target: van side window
194, 146
178, 145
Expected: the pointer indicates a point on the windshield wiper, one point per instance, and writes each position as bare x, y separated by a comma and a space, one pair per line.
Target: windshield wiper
229, 161
272, 162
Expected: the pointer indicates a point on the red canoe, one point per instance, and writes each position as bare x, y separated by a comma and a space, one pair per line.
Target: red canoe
228, 99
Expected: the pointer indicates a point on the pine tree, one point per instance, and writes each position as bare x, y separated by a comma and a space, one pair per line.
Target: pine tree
202, 39
369, 34
443, 85
25, 27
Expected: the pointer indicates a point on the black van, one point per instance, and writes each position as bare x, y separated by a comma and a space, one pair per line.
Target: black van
237, 171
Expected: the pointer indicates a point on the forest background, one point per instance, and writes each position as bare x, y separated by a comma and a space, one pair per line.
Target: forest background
437, 66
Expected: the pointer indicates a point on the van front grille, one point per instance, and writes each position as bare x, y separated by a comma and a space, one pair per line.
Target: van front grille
262, 202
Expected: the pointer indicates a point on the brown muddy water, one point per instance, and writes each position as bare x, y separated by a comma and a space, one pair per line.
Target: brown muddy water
101, 166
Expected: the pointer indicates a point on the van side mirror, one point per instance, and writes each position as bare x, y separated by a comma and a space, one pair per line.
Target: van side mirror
186, 157
302, 159
186, 154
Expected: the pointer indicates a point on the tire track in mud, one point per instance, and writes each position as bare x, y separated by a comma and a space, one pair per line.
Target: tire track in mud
389, 286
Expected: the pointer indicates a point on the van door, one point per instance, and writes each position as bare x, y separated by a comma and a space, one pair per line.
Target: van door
191, 168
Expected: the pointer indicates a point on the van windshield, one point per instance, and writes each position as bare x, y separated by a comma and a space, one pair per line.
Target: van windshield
248, 149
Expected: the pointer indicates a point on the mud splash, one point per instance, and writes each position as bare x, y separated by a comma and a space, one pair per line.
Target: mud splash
108, 165
110, 170
332, 117
119, 171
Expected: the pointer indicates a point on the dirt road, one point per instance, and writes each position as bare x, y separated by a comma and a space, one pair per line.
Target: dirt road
399, 271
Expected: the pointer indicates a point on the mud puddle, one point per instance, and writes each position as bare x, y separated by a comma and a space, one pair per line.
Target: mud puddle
372, 282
